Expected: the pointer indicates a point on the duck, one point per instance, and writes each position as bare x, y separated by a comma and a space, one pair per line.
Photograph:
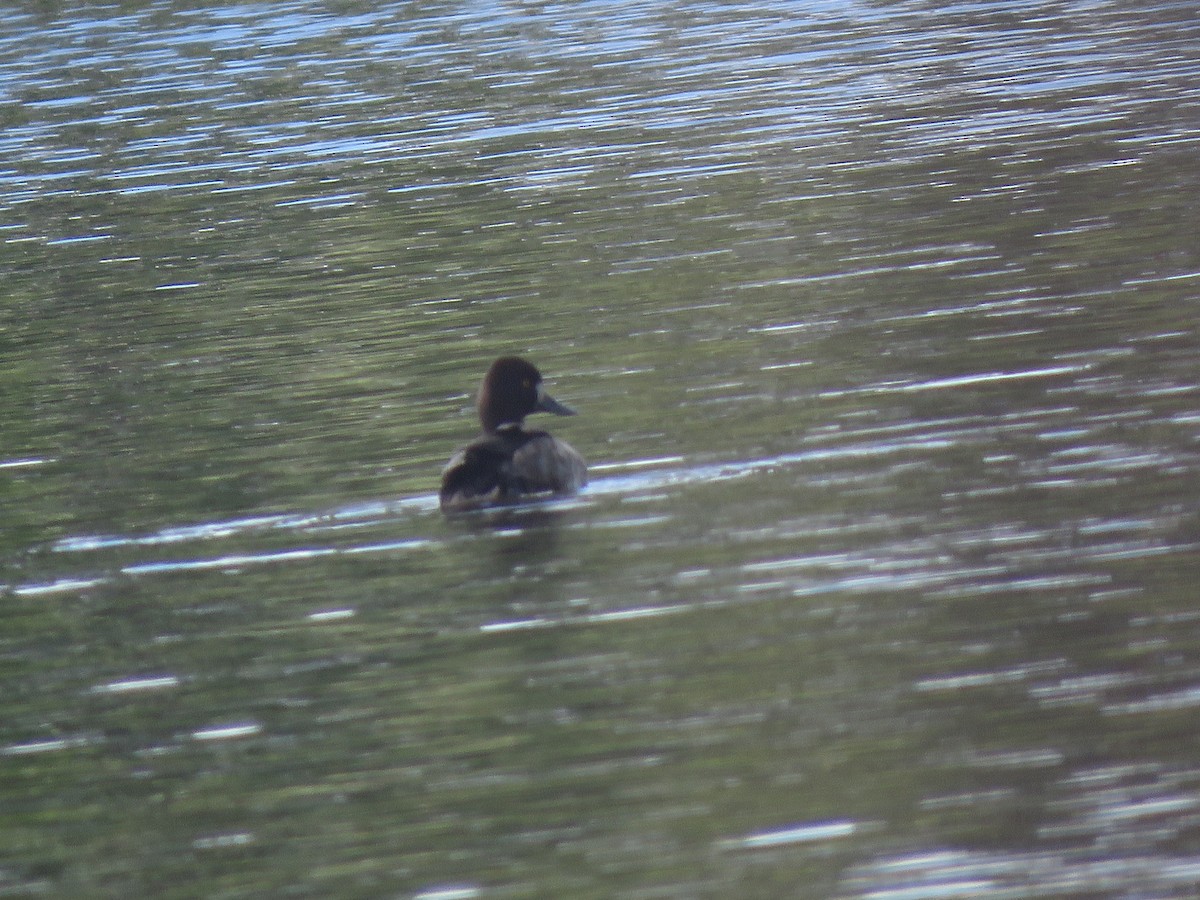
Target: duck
509, 463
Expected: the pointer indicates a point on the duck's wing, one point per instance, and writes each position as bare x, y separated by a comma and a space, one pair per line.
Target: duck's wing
475, 476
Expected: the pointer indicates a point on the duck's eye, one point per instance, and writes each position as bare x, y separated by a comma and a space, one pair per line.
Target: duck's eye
527, 384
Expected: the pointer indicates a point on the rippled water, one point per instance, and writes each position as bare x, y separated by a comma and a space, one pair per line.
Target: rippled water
882, 321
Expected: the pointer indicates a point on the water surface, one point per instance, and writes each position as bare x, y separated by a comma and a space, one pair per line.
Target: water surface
881, 319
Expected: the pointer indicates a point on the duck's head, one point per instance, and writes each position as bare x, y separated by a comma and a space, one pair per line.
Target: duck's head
511, 390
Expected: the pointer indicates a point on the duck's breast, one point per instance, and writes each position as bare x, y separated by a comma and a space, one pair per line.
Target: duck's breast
546, 463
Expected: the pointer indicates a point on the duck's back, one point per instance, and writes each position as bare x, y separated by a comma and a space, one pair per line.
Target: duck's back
508, 465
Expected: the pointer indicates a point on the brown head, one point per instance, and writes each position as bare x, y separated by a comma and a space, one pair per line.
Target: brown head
511, 390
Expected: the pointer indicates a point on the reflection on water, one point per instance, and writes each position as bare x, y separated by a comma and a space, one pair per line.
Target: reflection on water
881, 324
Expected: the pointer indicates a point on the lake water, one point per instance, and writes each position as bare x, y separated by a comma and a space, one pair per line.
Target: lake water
883, 322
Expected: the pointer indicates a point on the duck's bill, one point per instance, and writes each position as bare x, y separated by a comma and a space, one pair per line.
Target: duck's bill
546, 403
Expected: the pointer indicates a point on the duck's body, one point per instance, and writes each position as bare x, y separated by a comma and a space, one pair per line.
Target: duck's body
509, 463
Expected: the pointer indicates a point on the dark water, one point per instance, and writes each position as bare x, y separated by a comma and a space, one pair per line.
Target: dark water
882, 319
